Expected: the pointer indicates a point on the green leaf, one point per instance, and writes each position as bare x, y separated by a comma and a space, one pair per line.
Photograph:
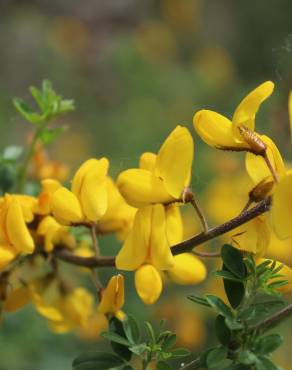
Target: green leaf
223, 333
234, 292
139, 348
169, 342
224, 274
131, 329
264, 363
233, 260
128, 367
118, 340
26, 112
113, 337
216, 356
278, 284
150, 331
47, 135
268, 343
220, 306
247, 358
200, 300
97, 360
237, 367
180, 352
162, 365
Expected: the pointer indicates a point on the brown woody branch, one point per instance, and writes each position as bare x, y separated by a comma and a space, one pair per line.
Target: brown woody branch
185, 246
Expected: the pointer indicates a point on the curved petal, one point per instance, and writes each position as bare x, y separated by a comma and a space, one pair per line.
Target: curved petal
148, 284
136, 247
160, 253
113, 295
17, 230
93, 196
257, 167
174, 224
148, 161
140, 187
281, 211
247, 109
17, 299
215, 129
187, 269
65, 207
49, 186
174, 161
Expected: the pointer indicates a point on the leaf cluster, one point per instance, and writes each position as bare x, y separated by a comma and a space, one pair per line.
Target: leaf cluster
127, 339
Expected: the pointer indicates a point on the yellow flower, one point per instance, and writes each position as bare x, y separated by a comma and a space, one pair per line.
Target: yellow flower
14, 235
87, 200
253, 236
161, 178
16, 299
187, 269
119, 216
236, 134
281, 212
113, 296
147, 250
256, 166
54, 234
49, 187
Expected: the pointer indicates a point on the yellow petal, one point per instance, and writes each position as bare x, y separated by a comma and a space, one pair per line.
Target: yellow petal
257, 167
49, 186
281, 211
65, 207
160, 253
93, 196
253, 237
174, 161
148, 161
113, 295
28, 204
136, 247
140, 187
17, 230
215, 129
187, 269
7, 254
174, 224
148, 284
48, 228
247, 109
17, 299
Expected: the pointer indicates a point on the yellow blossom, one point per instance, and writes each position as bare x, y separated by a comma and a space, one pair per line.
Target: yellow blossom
14, 235
87, 200
161, 178
49, 187
222, 133
281, 212
113, 296
119, 216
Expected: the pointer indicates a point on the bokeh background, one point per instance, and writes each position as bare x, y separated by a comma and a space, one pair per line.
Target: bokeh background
136, 69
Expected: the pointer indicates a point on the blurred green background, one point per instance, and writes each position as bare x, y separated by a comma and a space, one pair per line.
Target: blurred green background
136, 69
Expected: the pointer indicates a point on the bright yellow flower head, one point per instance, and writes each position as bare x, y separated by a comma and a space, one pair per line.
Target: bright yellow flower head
161, 178
49, 187
281, 212
113, 296
14, 234
119, 216
220, 132
87, 201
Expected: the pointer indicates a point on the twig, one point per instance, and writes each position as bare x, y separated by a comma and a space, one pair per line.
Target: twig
185, 246
269, 164
94, 240
200, 214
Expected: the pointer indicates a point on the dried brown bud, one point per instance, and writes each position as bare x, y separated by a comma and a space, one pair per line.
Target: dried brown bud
187, 195
261, 191
257, 146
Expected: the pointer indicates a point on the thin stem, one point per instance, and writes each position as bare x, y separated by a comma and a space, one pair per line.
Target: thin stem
248, 204
271, 168
94, 240
200, 214
206, 254
30, 152
91, 262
